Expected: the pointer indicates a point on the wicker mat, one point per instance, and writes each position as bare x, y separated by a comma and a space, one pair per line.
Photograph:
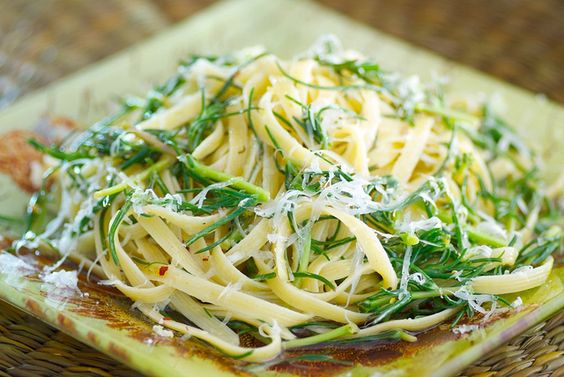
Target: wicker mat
41, 41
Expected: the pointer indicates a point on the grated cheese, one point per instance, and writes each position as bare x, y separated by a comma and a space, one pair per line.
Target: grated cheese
60, 285
161, 331
198, 200
405, 271
411, 227
518, 302
477, 300
463, 329
12, 265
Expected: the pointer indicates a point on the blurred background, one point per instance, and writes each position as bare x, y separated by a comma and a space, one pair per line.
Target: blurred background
520, 41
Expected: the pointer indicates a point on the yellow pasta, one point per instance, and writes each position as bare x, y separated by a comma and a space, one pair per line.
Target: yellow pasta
284, 193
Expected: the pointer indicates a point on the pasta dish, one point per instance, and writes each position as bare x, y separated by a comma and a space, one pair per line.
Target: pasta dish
260, 204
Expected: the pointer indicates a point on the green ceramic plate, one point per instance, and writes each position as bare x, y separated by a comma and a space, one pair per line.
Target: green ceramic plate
104, 319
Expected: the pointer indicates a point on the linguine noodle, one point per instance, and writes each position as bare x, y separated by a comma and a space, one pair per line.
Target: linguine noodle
299, 201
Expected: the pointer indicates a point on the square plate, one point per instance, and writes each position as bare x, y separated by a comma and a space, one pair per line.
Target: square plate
105, 321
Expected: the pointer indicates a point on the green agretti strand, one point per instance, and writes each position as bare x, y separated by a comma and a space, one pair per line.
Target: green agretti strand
239, 183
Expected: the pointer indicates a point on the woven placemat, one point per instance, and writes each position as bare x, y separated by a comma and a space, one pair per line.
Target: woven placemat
41, 41
519, 41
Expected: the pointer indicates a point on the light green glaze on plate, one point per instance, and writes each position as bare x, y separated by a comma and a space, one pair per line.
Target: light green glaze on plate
285, 27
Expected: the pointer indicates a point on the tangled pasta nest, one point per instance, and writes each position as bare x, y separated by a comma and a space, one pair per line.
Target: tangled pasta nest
299, 201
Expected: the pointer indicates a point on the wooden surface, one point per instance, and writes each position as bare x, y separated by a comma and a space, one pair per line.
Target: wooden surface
520, 41
41, 41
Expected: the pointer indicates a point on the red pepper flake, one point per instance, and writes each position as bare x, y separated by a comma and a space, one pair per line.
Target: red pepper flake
163, 270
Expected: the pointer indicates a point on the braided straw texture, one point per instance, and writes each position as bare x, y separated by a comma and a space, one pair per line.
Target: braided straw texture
539, 352
41, 41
